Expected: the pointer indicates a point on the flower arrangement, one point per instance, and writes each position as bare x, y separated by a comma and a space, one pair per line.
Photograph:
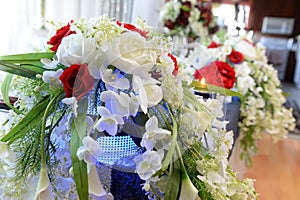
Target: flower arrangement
188, 18
262, 105
96, 77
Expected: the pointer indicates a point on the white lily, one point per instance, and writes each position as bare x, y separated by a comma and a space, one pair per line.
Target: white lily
188, 190
108, 121
90, 150
121, 104
95, 186
149, 93
43, 191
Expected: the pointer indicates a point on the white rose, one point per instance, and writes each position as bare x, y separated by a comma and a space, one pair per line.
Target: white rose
75, 49
131, 53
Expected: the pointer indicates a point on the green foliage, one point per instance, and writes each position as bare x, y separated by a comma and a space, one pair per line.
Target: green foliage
29, 122
248, 145
171, 151
215, 89
29, 158
26, 65
25, 137
5, 90
189, 158
174, 179
78, 131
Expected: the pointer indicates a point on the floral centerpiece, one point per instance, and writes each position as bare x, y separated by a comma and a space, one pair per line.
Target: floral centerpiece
96, 77
188, 18
244, 67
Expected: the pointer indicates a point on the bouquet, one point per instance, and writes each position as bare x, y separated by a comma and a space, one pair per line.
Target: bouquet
244, 67
100, 78
188, 18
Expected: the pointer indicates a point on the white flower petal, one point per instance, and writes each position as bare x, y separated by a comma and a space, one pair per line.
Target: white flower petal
43, 190
111, 128
154, 94
151, 124
72, 102
103, 112
49, 64
117, 104
95, 186
81, 151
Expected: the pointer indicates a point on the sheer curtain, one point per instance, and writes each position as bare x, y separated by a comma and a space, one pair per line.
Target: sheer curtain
21, 20
65, 10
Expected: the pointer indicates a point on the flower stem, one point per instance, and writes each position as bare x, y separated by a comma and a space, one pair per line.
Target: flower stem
164, 117
46, 113
185, 175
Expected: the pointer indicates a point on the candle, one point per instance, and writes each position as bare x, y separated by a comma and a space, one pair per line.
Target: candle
203, 92
203, 83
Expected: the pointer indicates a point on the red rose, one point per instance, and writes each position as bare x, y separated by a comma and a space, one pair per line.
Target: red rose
236, 57
213, 44
77, 81
60, 34
170, 25
217, 73
132, 28
176, 67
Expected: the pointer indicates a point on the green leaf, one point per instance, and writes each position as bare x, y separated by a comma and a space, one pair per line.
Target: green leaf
78, 131
32, 115
215, 89
27, 56
170, 153
28, 71
174, 179
27, 65
185, 8
5, 90
286, 94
